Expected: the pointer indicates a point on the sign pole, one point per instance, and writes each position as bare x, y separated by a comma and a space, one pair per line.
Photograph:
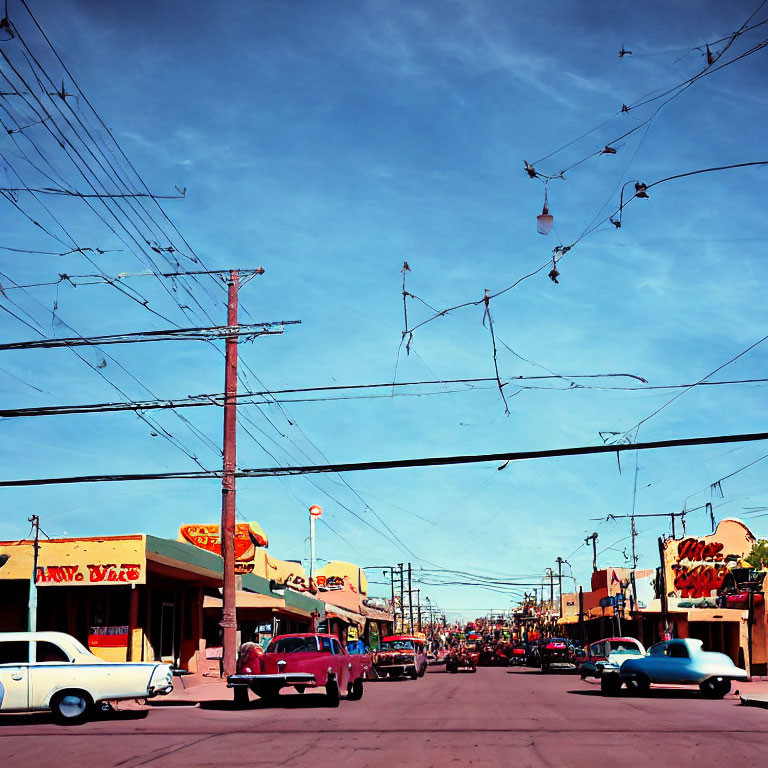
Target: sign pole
315, 512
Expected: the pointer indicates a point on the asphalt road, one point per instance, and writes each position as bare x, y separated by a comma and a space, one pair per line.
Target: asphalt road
490, 718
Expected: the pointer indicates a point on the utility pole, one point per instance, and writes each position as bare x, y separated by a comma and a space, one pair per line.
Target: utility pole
32, 618
551, 589
410, 596
593, 539
392, 589
560, 584
418, 608
227, 531
402, 599
632, 529
663, 590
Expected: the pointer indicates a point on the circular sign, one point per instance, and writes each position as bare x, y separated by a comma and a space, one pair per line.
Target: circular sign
316, 511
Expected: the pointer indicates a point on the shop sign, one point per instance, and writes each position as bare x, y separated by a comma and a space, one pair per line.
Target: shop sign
697, 566
331, 583
109, 561
91, 573
108, 637
339, 576
248, 536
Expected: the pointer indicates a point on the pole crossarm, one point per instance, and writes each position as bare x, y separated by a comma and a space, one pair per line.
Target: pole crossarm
251, 330
397, 463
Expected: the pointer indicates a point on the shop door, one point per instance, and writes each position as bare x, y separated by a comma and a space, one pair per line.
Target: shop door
168, 633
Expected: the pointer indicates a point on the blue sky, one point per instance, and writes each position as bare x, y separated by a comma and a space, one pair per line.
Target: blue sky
330, 142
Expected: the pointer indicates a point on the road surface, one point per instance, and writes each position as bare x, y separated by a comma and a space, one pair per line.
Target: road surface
491, 718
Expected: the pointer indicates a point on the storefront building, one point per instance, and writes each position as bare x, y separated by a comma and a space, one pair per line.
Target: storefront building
127, 598
706, 590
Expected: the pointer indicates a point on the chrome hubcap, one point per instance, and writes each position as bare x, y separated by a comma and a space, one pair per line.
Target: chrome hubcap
72, 705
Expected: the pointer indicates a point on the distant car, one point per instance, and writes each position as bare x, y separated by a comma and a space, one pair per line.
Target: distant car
518, 655
302, 661
53, 670
556, 650
605, 657
400, 655
681, 661
461, 660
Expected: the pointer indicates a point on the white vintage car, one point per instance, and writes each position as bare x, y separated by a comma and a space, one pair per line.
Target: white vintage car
52, 670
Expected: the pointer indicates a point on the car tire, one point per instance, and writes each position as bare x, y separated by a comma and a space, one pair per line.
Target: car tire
71, 707
638, 685
300, 688
423, 671
268, 693
610, 685
332, 694
355, 690
413, 674
715, 687
545, 668
241, 696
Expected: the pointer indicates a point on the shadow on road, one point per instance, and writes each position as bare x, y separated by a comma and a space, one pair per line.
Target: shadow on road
654, 693
552, 672
46, 718
302, 701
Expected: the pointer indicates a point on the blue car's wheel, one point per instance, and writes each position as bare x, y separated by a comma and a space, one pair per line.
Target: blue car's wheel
638, 685
715, 687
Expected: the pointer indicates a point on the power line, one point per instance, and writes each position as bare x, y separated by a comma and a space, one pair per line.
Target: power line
175, 334
397, 463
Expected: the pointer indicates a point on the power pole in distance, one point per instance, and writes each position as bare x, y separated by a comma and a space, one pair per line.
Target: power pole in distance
392, 589
32, 617
418, 608
560, 585
593, 539
551, 589
402, 599
410, 596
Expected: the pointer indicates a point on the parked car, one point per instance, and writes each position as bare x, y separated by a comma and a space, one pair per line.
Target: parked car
681, 661
400, 655
556, 650
303, 661
605, 657
461, 660
54, 671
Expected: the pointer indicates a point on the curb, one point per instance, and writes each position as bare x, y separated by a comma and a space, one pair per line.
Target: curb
749, 701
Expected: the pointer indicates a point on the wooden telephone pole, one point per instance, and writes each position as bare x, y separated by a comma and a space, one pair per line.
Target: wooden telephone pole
227, 530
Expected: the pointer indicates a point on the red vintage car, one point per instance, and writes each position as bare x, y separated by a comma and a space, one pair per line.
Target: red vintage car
302, 661
400, 655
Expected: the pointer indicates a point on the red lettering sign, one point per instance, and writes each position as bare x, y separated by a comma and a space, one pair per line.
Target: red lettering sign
698, 580
698, 550
125, 573
58, 574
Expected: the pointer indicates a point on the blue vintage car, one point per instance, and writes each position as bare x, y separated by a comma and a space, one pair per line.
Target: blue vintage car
681, 661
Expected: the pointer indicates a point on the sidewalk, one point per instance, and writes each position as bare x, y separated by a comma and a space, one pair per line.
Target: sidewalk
755, 693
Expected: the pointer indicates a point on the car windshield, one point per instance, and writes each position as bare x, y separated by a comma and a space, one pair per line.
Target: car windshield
624, 647
293, 645
397, 645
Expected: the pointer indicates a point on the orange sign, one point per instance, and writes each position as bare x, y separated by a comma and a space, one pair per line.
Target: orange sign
248, 536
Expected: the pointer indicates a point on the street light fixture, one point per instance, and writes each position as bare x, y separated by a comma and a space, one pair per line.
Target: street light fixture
545, 221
